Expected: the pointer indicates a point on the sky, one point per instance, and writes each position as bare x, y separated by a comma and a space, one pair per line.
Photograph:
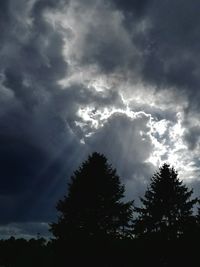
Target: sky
120, 77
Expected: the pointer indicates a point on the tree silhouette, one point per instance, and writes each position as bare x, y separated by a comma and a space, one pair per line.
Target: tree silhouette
196, 230
167, 208
93, 207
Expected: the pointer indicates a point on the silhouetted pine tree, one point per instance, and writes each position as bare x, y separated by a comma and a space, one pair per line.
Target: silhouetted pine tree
93, 207
167, 208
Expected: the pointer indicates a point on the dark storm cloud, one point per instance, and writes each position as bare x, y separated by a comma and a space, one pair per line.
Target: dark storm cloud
192, 137
173, 58
35, 141
19, 159
168, 42
158, 43
39, 140
152, 41
160, 46
170, 46
135, 6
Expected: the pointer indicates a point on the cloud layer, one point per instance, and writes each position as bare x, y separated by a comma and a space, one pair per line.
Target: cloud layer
118, 77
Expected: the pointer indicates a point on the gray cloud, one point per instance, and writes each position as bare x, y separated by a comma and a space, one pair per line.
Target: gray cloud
132, 6
127, 44
192, 137
34, 139
39, 140
24, 230
126, 143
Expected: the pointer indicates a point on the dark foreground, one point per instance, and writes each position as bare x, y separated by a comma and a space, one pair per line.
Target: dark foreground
118, 253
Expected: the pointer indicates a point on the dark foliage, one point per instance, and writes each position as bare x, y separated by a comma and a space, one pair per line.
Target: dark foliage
93, 215
93, 207
21, 252
167, 207
93, 228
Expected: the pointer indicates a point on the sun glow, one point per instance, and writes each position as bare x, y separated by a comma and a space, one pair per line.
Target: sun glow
165, 132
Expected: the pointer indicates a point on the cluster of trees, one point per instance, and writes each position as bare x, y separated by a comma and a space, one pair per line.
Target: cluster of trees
94, 206
22, 253
96, 223
97, 227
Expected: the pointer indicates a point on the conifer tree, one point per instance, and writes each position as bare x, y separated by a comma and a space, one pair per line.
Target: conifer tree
93, 207
167, 207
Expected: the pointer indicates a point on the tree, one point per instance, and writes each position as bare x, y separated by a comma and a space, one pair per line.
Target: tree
167, 208
196, 230
93, 207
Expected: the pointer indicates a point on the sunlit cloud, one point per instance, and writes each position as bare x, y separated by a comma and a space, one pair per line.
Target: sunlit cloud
78, 76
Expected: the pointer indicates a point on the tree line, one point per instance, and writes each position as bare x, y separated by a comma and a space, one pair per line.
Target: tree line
96, 226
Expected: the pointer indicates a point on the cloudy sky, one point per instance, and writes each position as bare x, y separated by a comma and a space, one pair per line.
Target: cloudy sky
120, 77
